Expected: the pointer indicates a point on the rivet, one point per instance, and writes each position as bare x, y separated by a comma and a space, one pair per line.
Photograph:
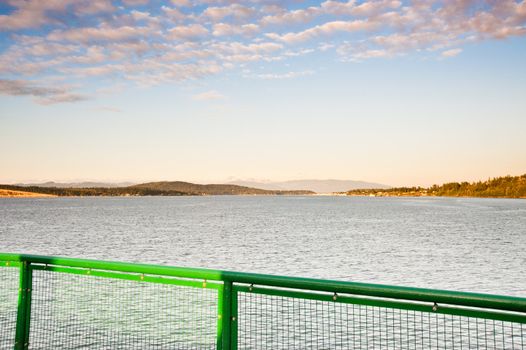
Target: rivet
251, 288
219, 316
142, 277
233, 318
204, 284
435, 307
335, 297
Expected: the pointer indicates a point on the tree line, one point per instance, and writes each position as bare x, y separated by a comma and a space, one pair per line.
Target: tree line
499, 187
165, 188
95, 191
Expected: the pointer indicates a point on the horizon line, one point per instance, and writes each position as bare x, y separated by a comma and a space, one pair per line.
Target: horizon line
230, 181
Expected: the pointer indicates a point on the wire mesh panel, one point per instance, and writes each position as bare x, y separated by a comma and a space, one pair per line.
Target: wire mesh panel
9, 281
278, 322
78, 311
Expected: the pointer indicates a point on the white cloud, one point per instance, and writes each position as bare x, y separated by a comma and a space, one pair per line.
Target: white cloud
371, 8
225, 29
108, 109
135, 2
288, 75
173, 13
295, 16
181, 3
208, 96
331, 7
325, 29
192, 31
31, 14
95, 6
451, 53
43, 48
236, 11
101, 33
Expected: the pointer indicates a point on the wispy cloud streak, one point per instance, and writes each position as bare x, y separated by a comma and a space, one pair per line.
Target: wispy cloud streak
42, 94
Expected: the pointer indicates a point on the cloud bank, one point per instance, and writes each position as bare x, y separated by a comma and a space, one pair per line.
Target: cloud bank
147, 43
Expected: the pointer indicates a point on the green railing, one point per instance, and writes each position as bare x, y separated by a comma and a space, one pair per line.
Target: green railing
64, 303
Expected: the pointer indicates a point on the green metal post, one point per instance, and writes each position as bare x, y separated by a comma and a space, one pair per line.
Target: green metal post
24, 307
224, 316
235, 320
219, 337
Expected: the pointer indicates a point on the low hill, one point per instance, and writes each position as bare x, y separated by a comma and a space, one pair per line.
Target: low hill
85, 184
213, 189
318, 186
500, 187
165, 188
95, 191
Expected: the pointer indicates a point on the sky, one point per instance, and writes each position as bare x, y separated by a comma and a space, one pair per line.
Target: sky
396, 92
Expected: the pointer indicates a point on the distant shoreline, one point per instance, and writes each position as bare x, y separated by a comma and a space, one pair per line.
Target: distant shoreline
23, 194
501, 187
164, 188
43, 195
426, 196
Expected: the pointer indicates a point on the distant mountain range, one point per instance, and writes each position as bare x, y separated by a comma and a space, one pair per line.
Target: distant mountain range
318, 186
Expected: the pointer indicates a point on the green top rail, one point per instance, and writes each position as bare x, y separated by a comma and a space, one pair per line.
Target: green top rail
478, 300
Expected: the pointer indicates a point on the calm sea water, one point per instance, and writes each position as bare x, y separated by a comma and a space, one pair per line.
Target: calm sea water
448, 243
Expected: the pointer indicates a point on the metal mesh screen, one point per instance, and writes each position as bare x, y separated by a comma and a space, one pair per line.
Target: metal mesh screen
77, 311
9, 282
276, 322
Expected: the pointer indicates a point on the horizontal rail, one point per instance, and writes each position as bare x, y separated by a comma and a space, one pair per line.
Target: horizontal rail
478, 300
128, 276
389, 303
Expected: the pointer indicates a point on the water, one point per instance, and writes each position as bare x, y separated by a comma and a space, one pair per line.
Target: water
447, 243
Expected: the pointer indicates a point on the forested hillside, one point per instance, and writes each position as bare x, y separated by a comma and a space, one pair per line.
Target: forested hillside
166, 188
213, 189
500, 187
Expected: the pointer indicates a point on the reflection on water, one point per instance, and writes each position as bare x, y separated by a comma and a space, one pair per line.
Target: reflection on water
447, 243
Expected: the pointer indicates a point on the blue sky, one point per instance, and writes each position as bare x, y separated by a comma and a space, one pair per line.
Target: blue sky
397, 92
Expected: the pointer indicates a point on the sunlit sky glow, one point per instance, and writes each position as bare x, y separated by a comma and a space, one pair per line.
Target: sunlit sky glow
396, 92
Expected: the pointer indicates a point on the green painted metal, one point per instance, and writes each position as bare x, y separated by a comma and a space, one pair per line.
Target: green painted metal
226, 315
29, 292
129, 276
24, 308
393, 304
219, 337
230, 284
479, 300
235, 320
8, 263
184, 272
